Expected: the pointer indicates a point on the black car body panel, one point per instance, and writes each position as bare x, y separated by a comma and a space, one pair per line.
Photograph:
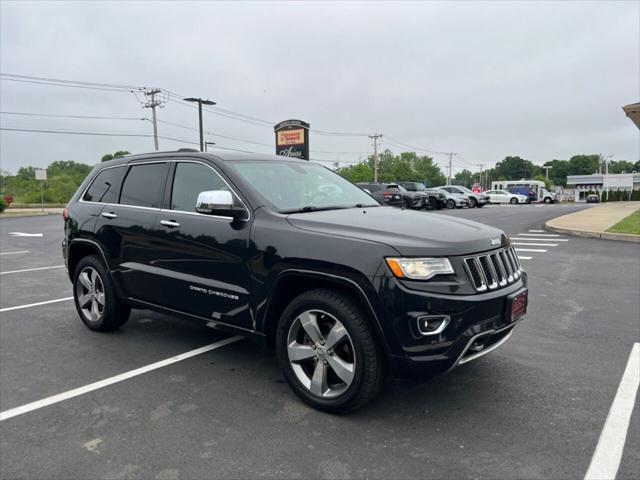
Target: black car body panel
235, 272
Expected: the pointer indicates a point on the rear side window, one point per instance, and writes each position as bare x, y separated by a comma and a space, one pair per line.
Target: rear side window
189, 180
143, 184
106, 186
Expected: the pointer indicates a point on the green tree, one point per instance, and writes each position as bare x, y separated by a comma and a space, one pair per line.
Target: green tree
541, 178
583, 164
621, 166
118, 154
516, 168
465, 178
360, 172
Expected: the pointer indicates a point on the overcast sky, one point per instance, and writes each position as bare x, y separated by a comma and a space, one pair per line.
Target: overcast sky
542, 80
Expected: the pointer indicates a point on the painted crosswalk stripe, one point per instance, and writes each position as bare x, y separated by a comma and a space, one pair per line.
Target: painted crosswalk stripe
531, 250
537, 235
29, 407
29, 305
14, 253
536, 244
524, 258
31, 269
606, 458
526, 239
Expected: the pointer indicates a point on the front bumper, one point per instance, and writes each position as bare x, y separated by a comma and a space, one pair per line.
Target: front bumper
478, 324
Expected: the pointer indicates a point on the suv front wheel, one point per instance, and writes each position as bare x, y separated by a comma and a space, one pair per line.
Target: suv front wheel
96, 302
328, 353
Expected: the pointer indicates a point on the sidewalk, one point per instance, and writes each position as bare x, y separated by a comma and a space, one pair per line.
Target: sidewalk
593, 222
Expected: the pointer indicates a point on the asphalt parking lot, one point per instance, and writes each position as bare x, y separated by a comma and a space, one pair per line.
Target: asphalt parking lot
535, 408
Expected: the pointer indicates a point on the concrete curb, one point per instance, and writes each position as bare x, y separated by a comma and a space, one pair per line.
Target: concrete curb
26, 214
625, 237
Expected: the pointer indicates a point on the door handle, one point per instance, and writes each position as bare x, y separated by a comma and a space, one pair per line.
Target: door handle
169, 223
109, 215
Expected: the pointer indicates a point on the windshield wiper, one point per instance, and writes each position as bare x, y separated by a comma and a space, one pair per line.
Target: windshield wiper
311, 208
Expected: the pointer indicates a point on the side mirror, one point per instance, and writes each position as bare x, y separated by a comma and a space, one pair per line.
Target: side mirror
218, 202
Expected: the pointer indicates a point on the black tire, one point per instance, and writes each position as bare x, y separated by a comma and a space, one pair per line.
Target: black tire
368, 375
479, 205
438, 205
114, 313
548, 200
451, 203
513, 201
473, 203
407, 203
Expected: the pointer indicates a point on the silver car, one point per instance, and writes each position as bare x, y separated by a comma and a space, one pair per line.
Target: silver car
454, 200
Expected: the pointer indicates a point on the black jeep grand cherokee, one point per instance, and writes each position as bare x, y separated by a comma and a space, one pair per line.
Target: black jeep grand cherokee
290, 254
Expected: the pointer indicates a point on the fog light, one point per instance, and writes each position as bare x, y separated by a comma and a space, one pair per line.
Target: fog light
432, 324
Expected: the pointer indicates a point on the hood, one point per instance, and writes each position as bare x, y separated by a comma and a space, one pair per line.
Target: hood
411, 233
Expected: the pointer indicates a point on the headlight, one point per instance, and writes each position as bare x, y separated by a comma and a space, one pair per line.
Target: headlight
419, 268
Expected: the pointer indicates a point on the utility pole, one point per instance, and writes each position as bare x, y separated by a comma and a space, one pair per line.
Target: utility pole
152, 103
375, 137
451, 154
481, 184
200, 102
546, 168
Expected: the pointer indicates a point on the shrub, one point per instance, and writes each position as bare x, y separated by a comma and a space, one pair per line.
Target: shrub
8, 199
3, 205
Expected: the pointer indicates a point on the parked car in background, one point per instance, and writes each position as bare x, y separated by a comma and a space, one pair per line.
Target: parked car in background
528, 192
503, 196
386, 195
437, 198
454, 200
476, 199
414, 199
593, 198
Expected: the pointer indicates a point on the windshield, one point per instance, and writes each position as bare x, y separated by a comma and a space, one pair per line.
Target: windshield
464, 189
417, 187
297, 186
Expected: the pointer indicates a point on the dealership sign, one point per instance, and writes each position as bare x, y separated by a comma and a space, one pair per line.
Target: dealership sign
292, 139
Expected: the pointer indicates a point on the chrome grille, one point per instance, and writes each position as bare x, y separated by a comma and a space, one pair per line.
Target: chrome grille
493, 270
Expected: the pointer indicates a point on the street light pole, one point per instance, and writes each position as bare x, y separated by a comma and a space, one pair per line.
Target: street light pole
200, 102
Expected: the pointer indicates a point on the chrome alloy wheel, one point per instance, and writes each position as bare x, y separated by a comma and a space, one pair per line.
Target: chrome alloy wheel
90, 291
321, 353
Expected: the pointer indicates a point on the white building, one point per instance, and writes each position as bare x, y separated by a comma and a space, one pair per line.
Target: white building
598, 182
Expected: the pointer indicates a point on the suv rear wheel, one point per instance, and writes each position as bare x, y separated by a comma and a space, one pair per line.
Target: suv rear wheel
95, 299
328, 353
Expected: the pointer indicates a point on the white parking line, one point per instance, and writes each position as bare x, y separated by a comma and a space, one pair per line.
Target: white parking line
45, 402
537, 231
531, 250
535, 244
31, 269
29, 305
526, 239
524, 258
606, 458
14, 253
537, 234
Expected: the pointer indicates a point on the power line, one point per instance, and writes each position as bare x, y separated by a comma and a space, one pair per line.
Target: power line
113, 134
78, 82
88, 117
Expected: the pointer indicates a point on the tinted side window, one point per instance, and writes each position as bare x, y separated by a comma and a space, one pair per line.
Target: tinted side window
143, 184
106, 186
189, 180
